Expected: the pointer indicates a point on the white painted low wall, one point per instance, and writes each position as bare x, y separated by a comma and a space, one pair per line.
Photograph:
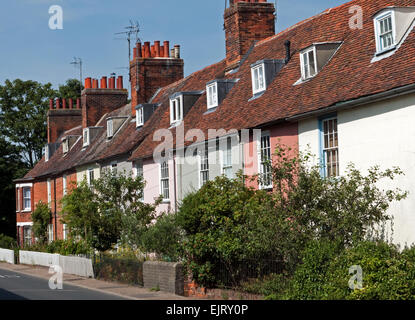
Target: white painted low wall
77, 266
70, 265
38, 258
7, 256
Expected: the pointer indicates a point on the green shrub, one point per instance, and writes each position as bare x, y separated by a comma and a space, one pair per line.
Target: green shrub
272, 287
310, 276
7, 242
387, 273
163, 238
62, 247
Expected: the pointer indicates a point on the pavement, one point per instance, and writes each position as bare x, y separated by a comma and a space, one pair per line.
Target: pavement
23, 282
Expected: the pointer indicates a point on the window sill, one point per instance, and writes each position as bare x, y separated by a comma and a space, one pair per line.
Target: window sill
379, 53
26, 211
165, 202
257, 95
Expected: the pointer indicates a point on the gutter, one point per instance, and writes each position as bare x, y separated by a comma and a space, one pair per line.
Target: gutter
389, 94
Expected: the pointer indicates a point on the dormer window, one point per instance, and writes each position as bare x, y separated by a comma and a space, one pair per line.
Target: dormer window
308, 63
385, 31
110, 128
86, 137
258, 79
212, 95
176, 109
65, 146
139, 117
47, 153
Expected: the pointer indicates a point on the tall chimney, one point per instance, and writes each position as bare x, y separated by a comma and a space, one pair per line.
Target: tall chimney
246, 22
153, 71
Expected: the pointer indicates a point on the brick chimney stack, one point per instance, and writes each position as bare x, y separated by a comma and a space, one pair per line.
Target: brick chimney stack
61, 118
245, 22
97, 101
153, 67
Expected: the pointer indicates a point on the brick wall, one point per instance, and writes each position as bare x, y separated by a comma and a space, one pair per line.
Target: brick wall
164, 275
61, 120
246, 22
97, 102
150, 74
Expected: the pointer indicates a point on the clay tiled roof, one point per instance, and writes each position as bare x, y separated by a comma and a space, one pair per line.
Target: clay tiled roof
350, 74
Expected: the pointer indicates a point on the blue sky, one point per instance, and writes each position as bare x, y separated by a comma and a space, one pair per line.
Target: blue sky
31, 51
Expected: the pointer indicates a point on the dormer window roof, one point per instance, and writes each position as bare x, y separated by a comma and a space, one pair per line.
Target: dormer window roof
315, 57
181, 103
263, 73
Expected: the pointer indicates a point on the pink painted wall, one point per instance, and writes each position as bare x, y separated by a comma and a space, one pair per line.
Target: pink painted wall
152, 190
284, 134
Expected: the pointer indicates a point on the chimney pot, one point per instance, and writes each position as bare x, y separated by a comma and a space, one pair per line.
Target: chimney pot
58, 103
78, 103
177, 51
70, 103
139, 50
157, 49
95, 83
146, 49
51, 104
88, 83
120, 82
64, 103
166, 48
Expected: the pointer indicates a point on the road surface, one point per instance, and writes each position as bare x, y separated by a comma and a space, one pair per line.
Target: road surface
19, 286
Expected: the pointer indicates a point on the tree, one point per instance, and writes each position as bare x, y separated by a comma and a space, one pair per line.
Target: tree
79, 211
23, 107
71, 89
11, 167
108, 212
41, 219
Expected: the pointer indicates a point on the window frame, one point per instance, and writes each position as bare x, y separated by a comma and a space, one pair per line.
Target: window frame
164, 181
64, 184
110, 128
303, 53
85, 141
324, 150
47, 153
49, 192
260, 88
261, 163
176, 105
224, 159
204, 156
27, 235
25, 208
139, 115
90, 170
377, 20
65, 146
212, 100
50, 233
65, 231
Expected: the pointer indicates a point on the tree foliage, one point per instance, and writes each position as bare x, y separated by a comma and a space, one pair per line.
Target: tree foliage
225, 221
23, 107
11, 167
109, 212
71, 89
41, 219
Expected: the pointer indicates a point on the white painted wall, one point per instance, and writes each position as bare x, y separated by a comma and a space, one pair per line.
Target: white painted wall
383, 134
7, 256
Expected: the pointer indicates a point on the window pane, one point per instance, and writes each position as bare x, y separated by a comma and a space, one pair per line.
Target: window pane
312, 63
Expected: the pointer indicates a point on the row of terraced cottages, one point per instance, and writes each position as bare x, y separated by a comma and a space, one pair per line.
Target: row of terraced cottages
344, 93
